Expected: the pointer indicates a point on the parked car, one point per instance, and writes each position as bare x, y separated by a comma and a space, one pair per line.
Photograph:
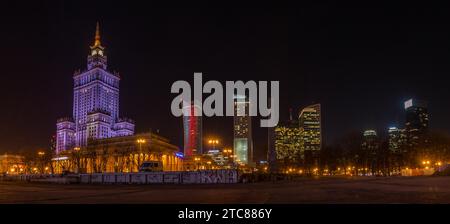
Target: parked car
151, 166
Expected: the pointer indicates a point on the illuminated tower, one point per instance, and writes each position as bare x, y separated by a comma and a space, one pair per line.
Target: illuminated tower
416, 121
370, 148
243, 142
95, 103
192, 126
397, 140
287, 140
370, 141
310, 134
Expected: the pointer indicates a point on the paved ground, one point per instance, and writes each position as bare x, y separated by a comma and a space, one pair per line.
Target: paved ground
320, 190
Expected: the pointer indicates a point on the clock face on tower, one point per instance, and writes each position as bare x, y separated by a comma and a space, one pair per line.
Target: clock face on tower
95, 52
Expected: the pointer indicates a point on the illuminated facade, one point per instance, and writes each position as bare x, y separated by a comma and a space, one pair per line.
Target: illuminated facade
416, 121
192, 126
311, 128
370, 141
287, 141
310, 136
12, 164
370, 157
397, 140
243, 142
95, 104
120, 154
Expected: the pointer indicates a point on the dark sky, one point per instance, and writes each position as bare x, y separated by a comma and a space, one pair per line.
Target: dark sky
359, 62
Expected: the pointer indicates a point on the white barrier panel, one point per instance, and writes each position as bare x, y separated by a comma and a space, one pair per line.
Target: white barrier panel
171, 178
85, 178
186, 177
155, 178
210, 177
190, 177
109, 178
138, 178
122, 178
231, 176
218, 176
96, 178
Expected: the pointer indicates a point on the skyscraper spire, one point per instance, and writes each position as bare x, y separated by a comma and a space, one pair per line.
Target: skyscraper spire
97, 36
97, 57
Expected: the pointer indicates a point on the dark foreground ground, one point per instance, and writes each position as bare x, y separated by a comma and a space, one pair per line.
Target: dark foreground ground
320, 190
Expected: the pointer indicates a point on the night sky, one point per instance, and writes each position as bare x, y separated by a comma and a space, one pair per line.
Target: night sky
359, 62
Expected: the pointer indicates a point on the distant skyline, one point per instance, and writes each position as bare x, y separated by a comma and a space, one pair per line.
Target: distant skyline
359, 63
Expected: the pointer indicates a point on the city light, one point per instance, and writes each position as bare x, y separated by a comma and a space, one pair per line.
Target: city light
179, 154
213, 141
141, 141
60, 158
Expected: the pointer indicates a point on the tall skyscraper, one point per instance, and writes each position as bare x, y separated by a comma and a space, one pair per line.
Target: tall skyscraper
370, 141
243, 142
310, 135
192, 126
370, 148
287, 140
397, 140
95, 104
416, 121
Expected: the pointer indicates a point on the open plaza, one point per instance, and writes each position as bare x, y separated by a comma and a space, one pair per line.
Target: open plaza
320, 190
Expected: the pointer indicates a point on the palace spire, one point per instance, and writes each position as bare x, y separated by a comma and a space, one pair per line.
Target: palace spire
97, 42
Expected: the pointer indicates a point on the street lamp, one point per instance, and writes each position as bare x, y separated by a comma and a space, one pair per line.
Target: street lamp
213, 142
197, 162
41, 161
140, 141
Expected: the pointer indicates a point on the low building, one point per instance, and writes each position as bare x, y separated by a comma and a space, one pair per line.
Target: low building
120, 154
199, 162
12, 164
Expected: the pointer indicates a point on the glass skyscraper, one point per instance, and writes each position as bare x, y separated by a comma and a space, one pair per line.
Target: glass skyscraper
311, 128
243, 142
416, 121
192, 126
287, 140
311, 134
397, 140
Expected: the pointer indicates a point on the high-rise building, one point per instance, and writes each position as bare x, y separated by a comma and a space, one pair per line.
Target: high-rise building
370, 151
311, 134
192, 126
370, 142
397, 140
287, 140
416, 121
243, 142
95, 104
